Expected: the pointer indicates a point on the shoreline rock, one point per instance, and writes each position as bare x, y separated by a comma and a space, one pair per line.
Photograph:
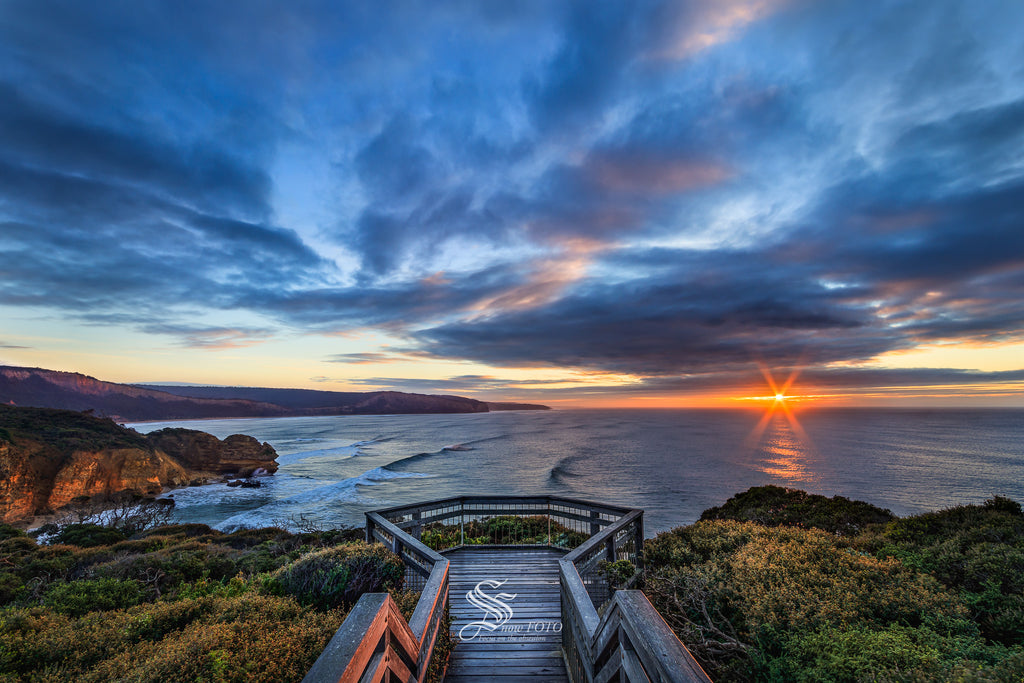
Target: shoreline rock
49, 458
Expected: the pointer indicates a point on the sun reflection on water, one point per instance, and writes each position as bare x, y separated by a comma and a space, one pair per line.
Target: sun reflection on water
785, 450
784, 454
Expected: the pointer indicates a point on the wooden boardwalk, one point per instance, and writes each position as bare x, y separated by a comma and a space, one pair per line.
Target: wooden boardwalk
526, 646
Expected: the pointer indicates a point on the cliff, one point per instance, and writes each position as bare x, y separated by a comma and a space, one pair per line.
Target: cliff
50, 457
126, 403
41, 388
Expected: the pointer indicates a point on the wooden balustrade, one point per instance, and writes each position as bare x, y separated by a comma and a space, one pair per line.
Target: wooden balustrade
608, 632
375, 643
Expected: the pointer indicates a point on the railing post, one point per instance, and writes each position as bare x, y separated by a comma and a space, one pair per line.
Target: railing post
638, 542
462, 522
417, 529
595, 526
369, 529
549, 521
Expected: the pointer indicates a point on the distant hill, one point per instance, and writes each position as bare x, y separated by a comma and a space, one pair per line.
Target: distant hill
38, 388
491, 405
313, 402
41, 388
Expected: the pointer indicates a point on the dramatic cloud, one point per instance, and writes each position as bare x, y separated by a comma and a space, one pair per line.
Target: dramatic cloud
671, 192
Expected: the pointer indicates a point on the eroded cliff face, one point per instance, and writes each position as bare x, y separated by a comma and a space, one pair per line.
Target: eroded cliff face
199, 451
50, 457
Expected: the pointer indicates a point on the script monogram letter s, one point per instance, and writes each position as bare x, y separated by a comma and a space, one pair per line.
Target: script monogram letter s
496, 610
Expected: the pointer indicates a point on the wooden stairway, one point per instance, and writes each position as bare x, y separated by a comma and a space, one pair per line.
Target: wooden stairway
525, 648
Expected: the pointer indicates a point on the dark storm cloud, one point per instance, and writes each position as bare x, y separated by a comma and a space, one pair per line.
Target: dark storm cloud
198, 173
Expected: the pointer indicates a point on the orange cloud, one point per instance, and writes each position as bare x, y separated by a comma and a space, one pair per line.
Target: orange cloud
714, 23
662, 176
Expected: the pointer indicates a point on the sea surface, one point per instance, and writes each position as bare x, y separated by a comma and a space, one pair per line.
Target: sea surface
672, 463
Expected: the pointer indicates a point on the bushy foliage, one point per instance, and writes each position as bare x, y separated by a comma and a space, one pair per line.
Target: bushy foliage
88, 535
977, 550
250, 637
66, 430
76, 598
336, 577
177, 603
501, 530
775, 506
912, 599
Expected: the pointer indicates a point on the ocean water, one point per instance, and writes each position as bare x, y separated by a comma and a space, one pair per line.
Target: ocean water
672, 463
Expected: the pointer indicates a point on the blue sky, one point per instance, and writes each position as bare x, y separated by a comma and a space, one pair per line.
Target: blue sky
576, 202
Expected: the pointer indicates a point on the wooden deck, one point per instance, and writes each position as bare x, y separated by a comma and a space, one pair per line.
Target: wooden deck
527, 647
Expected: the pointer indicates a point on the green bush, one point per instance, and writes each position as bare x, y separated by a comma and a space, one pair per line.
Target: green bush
337, 576
977, 550
775, 506
76, 598
87, 535
249, 637
738, 592
501, 530
934, 597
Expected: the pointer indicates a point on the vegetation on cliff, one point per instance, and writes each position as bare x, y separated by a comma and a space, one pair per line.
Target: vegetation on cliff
181, 603
828, 589
50, 458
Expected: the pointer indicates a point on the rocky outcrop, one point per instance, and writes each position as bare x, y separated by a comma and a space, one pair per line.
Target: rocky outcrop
48, 458
237, 454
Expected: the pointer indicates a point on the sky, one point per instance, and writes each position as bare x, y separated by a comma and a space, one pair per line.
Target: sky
633, 204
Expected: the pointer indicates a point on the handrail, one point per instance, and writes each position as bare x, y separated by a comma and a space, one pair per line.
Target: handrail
630, 640
375, 642
582, 518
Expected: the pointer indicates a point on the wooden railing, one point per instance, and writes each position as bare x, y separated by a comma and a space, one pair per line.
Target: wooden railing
375, 643
608, 632
630, 640
579, 518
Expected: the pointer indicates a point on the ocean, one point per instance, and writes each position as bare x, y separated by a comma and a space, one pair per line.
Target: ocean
672, 463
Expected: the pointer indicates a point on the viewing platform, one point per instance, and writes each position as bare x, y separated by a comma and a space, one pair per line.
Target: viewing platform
531, 589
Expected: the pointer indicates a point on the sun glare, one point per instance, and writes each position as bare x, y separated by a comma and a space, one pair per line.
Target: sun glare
780, 397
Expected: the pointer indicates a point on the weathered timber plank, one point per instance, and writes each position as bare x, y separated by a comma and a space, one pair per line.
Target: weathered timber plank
517, 652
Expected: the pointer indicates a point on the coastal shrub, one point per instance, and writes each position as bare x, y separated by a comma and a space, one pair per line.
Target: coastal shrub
776, 506
163, 569
87, 535
440, 536
250, 637
337, 576
894, 652
76, 598
977, 550
12, 587
618, 573
190, 530
737, 592
499, 530
8, 531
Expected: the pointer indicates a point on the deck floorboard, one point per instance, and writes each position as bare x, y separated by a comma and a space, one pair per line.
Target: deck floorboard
526, 647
